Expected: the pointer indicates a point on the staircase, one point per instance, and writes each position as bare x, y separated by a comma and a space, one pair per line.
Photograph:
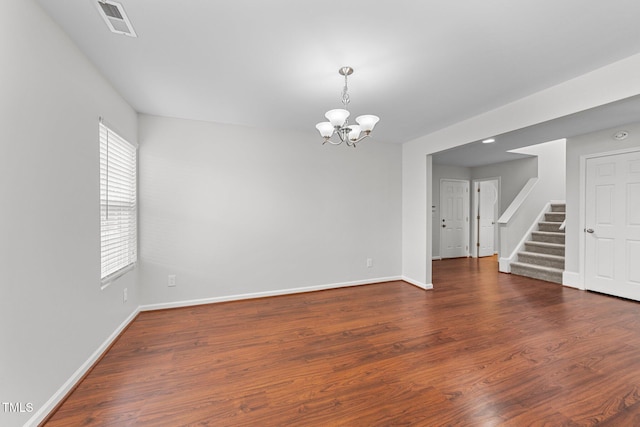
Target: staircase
543, 255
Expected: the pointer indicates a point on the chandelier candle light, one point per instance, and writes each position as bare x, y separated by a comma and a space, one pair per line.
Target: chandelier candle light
338, 123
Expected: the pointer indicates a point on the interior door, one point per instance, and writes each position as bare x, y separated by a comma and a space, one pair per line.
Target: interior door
612, 241
488, 197
454, 221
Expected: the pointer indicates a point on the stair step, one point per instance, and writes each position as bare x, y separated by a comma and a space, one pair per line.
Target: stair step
550, 226
547, 236
548, 274
543, 257
554, 216
544, 248
545, 260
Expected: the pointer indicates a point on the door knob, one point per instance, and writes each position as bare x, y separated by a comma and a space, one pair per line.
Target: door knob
589, 230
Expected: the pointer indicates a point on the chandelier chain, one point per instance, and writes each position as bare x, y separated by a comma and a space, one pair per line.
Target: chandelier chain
345, 93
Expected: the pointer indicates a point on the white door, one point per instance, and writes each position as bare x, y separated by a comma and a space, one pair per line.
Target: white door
612, 241
454, 220
488, 198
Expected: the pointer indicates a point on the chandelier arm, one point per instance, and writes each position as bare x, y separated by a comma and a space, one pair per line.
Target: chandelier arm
332, 142
366, 135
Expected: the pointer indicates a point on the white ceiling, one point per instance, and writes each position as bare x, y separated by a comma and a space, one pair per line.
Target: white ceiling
419, 65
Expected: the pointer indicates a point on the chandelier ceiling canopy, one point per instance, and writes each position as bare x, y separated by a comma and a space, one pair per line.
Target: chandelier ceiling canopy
338, 123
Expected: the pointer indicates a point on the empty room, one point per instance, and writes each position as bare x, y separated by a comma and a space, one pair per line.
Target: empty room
258, 213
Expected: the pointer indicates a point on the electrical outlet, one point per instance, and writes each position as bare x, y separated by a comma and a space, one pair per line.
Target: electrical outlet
124, 295
172, 280
369, 262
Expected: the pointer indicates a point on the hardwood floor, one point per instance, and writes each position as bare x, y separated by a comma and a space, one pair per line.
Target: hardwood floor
481, 349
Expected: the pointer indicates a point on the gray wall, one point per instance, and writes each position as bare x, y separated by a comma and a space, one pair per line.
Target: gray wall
235, 211
54, 315
513, 175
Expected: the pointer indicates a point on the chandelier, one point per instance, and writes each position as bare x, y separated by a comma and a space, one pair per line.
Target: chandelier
338, 123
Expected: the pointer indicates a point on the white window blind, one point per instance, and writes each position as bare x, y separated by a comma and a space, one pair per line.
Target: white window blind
118, 204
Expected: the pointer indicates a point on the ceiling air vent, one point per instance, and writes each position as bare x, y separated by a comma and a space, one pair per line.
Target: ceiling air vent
114, 15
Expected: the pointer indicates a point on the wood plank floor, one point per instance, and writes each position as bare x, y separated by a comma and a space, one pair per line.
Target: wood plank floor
481, 349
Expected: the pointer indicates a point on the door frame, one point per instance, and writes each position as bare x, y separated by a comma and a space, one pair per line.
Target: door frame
468, 212
582, 241
474, 214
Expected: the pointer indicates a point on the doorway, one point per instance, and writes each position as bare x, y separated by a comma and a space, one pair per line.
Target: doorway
485, 212
612, 224
454, 218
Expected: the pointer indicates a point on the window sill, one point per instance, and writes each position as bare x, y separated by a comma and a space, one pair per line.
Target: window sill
116, 275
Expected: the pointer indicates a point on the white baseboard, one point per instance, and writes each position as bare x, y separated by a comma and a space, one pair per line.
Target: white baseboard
436, 258
424, 286
572, 280
504, 265
238, 297
49, 406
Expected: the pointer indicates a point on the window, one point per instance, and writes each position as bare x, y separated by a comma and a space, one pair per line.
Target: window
118, 205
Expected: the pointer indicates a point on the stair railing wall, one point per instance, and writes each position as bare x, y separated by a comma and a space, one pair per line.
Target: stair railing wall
515, 223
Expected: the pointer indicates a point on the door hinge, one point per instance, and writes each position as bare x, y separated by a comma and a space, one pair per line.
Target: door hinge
478, 244
478, 217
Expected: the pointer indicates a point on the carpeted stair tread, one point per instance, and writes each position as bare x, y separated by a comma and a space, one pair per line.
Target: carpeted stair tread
536, 258
539, 272
547, 236
550, 226
544, 247
554, 216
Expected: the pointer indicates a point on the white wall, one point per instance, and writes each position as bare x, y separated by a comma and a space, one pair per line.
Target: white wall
232, 210
611, 83
52, 311
593, 143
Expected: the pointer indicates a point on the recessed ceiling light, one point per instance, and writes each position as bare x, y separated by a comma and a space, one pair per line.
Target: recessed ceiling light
488, 140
